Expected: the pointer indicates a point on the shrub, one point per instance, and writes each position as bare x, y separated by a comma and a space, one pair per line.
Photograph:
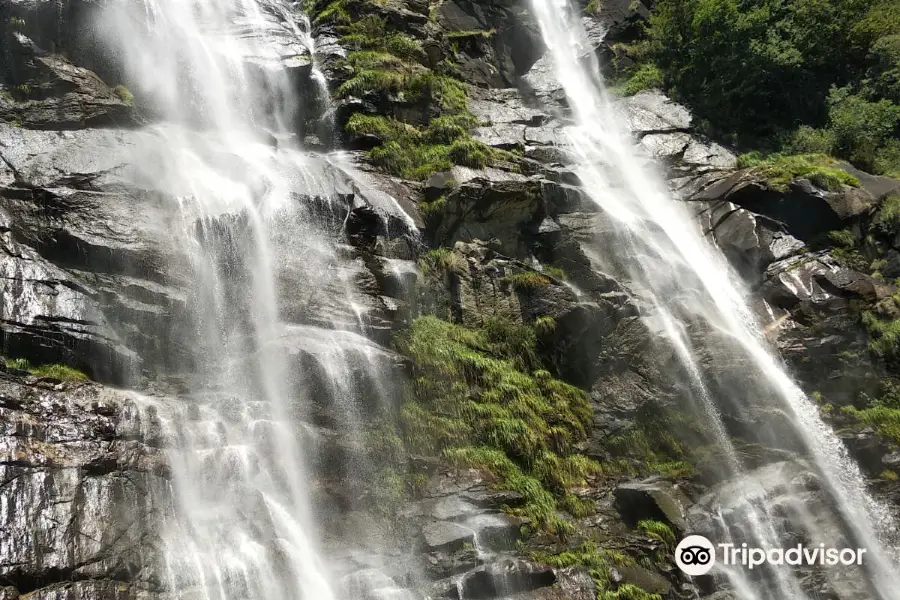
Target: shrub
646, 77
860, 127
887, 159
888, 217
808, 140
443, 261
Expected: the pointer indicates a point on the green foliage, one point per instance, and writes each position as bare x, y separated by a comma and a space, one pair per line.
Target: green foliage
659, 531
654, 446
443, 261
884, 335
479, 401
881, 412
809, 140
860, 127
807, 76
17, 23
780, 170
527, 280
24, 89
888, 217
555, 272
124, 94
598, 562
387, 63
54, 371
430, 210
844, 238
885, 420
887, 159
545, 325
628, 591
647, 76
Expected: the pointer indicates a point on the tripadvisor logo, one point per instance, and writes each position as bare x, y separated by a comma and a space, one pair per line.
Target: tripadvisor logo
696, 555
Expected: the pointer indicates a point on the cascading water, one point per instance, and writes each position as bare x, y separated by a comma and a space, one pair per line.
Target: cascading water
277, 326
699, 306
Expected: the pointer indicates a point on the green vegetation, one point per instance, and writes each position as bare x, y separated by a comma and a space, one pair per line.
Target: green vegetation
481, 400
800, 77
389, 64
598, 562
647, 76
443, 261
527, 280
124, 94
884, 334
659, 531
54, 371
24, 89
17, 23
651, 447
555, 272
881, 412
779, 169
888, 218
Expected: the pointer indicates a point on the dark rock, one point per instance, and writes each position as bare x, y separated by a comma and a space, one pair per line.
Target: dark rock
805, 210
437, 185
657, 500
506, 577
46, 91
648, 581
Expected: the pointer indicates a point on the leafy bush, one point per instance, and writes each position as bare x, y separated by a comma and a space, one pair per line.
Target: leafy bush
860, 127
646, 77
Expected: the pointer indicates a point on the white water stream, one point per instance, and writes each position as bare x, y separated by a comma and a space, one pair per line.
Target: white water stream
687, 280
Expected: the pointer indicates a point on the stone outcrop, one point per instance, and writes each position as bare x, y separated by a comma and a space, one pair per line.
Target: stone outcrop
97, 278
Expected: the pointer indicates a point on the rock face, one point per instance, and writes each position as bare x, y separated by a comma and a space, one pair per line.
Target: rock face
98, 275
80, 474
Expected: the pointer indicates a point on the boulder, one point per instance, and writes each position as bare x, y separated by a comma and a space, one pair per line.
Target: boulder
657, 500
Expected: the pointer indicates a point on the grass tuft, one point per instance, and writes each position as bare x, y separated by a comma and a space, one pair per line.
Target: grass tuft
780, 170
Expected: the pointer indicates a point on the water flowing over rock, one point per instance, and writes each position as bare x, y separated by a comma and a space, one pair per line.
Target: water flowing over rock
189, 217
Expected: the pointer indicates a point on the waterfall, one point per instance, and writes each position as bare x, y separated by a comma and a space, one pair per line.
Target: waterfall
277, 345
699, 306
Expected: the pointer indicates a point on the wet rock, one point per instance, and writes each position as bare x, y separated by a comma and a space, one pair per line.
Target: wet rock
805, 210
657, 500
506, 577
647, 580
443, 535
46, 91
749, 241
83, 489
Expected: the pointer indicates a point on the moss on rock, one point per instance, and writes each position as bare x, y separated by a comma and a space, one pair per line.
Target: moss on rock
480, 400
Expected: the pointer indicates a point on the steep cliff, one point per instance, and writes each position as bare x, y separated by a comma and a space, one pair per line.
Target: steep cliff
522, 434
